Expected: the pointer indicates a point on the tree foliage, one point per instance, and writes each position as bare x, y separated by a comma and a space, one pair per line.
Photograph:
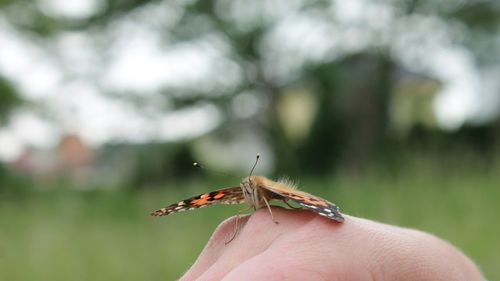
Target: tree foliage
352, 88
9, 99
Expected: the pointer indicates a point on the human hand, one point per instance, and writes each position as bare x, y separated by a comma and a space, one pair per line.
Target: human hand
305, 246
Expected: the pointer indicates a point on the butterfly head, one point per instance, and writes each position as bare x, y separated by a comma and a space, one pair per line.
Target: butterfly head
249, 186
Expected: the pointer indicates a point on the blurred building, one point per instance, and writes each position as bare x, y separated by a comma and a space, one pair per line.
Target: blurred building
74, 159
71, 160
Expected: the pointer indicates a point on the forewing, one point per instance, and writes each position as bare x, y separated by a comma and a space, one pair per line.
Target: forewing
309, 201
231, 195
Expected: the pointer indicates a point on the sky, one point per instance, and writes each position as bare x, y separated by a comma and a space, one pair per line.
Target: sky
77, 105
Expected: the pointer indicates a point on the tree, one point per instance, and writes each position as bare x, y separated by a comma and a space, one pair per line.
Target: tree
350, 83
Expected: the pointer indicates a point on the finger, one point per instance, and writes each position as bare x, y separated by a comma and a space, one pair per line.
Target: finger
281, 265
289, 256
259, 233
214, 247
361, 249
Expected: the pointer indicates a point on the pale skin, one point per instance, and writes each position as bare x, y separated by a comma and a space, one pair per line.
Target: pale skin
306, 246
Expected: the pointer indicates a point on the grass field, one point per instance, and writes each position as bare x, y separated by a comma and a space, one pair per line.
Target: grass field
108, 235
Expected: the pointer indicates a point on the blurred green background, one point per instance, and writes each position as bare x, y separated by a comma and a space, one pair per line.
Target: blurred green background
391, 109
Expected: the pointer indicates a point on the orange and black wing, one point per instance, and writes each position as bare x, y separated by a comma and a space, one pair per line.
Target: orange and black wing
231, 195
309, 201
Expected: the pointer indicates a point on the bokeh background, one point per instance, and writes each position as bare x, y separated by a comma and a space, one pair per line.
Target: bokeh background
389, 108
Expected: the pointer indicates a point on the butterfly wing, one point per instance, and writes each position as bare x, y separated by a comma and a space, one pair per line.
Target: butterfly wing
309, 201
231, 195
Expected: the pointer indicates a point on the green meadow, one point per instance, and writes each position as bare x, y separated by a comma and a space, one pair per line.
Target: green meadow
108, 235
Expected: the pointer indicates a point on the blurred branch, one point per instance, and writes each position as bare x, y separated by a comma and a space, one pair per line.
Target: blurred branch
479, 15
9, 98
411, 7
113, 10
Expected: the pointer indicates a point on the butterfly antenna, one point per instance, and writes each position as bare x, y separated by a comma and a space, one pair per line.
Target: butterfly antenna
255, 164
198, 165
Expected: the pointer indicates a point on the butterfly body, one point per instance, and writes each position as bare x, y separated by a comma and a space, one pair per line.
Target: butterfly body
257, 191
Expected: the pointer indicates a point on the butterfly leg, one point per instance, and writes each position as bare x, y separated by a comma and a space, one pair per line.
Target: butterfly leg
236, 224
288, 204
270, 211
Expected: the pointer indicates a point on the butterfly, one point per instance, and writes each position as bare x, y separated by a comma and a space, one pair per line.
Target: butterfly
257, 191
